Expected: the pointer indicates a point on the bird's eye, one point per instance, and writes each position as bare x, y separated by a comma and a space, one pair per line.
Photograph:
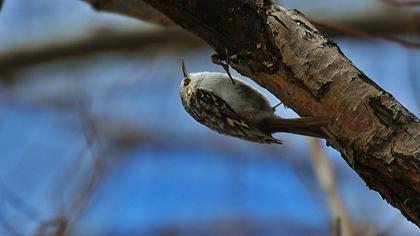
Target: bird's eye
187, 81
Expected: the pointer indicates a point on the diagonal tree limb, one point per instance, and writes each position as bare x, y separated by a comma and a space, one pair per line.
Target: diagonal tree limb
383, 27
284, 53
99, 41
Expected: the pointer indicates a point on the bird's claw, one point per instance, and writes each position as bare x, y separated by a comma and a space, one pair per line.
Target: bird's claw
224, 62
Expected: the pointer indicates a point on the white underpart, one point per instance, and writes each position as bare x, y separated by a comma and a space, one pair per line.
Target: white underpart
250, 104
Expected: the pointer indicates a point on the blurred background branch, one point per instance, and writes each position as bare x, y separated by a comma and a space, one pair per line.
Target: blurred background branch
403, 3
100, 41
326, 179
142, 10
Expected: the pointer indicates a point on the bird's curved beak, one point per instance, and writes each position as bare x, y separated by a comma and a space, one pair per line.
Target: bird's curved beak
184, 69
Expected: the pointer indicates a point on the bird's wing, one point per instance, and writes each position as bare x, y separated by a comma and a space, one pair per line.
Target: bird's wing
217, 114
215, 105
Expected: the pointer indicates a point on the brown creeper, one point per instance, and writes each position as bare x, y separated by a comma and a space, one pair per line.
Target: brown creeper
237, 109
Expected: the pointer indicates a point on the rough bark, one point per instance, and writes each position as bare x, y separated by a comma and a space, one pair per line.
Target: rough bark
280, 50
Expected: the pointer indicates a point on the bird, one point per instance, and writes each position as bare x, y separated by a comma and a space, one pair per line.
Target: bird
232, 107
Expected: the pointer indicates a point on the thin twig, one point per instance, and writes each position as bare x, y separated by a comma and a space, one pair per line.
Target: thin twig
18, 202
362, 34
91, 137
404, 3
326, 180
337, 227
59, 225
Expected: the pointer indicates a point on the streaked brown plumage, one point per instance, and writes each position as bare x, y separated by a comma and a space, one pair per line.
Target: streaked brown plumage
237, 109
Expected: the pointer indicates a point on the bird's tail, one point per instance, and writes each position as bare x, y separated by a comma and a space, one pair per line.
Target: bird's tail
308, 126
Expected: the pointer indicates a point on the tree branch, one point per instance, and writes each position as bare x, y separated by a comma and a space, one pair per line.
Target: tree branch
406, 3
284, 53
326, 180
141, 10
377, 26
100, 41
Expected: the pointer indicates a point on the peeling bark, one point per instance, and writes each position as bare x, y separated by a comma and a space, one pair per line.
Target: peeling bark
284, 53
